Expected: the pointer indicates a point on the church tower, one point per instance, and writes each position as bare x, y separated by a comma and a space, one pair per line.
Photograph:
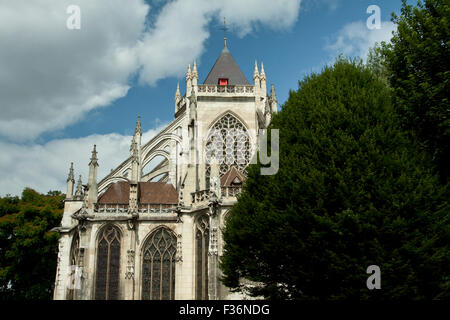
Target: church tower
151, 228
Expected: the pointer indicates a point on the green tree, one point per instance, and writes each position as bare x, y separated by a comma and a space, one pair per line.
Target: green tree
376, 62
28, 250
352, 191
418, 63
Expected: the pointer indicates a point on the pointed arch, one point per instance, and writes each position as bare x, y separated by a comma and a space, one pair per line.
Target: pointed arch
108, 263
158, 265
228, 140
201, 256
156, 162
153, 154
226, 216
231, 113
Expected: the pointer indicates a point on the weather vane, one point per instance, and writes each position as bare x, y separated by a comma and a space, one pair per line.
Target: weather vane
225, 29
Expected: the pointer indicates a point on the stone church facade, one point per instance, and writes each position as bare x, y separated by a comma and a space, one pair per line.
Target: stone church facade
155, 233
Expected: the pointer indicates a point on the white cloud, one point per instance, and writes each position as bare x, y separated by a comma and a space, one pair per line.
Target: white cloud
180, 30
355, 39
51, 76
45, 167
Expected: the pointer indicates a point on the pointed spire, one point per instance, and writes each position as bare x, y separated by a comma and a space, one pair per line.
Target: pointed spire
188, 81
138, 126
189, 73
79, 190
194, 71
262, 74
70, 183
94, 157
256, 72
194, 74
272, 93
177, 97
71, 176
92, 180
177, 93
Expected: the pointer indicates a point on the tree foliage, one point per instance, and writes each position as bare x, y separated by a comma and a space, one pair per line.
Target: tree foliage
352, 191
28, 251
418, 63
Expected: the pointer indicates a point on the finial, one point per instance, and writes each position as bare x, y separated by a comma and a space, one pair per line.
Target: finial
189, 69
94, 157
194, 71
94, 153
138, 126
79, 190
256, 72
71, 176
225, 29
262, 68
272, 93
177, 93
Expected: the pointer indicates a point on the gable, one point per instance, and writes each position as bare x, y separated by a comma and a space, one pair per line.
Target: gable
232, 177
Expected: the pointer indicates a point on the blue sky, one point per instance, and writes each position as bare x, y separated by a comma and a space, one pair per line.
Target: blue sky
55, 119
288, 55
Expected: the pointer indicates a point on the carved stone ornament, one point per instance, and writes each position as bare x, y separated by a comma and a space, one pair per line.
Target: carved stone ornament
179, 254
131, 223
213, 250
129, 274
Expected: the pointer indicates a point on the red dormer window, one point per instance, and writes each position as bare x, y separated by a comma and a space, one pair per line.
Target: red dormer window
223, 82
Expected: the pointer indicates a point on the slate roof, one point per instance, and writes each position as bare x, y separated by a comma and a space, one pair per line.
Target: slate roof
226, 67
149, 193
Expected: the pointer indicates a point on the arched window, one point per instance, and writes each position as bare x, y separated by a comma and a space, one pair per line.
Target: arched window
229, 142
108, 264
74, 257
201, 247
158, 266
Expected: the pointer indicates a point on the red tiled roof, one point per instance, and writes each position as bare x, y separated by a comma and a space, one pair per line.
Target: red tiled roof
232, 175
117, 193
157, 192
149, 192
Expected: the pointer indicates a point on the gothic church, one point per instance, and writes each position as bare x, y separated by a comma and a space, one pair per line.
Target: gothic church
142, 233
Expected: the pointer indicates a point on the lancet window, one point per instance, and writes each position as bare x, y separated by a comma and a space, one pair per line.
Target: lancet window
108, 264
158, 266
